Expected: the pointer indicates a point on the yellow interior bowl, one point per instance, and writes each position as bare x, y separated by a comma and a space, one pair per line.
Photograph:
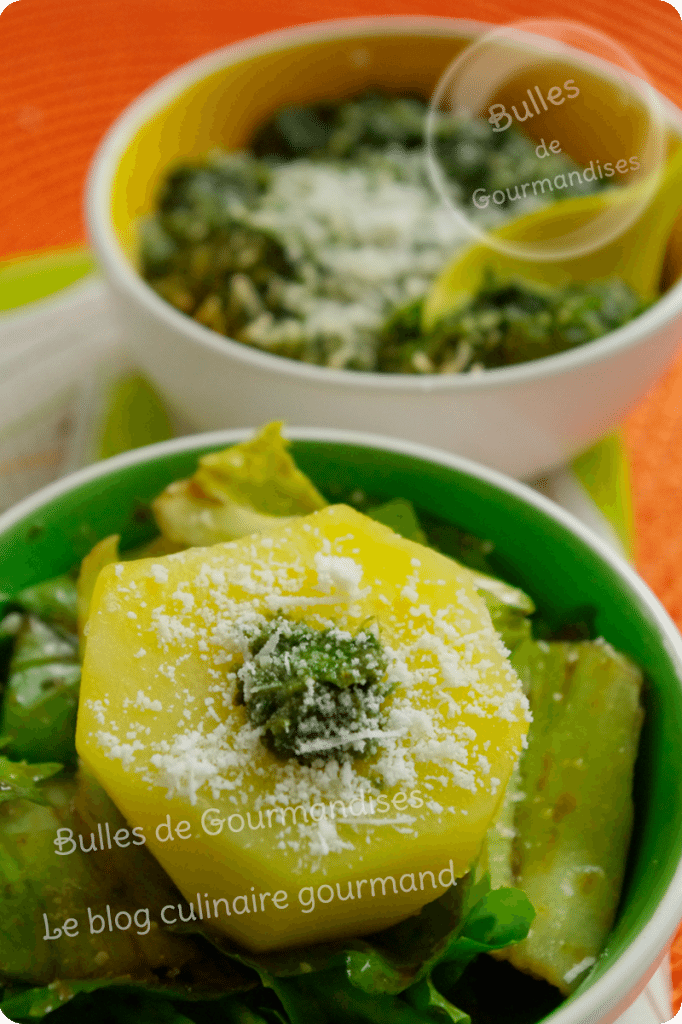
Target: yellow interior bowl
220, 101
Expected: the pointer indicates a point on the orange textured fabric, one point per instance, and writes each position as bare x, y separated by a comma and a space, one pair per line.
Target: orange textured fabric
68, 67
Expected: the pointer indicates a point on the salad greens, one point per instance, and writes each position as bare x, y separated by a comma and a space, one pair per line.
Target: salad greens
425, 970
40, 702
19, 780
236, 492
38, 882
54, 600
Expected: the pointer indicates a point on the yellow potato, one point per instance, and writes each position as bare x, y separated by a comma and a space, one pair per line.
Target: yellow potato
271, 852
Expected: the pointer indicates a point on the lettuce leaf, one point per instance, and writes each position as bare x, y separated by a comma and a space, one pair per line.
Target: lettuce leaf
468, 919
399, 514
20, 781
53, 601
123, 1005
425, 997
41, 890
126, 1005
34, 1003
40, 701
241, 490
328, 997
388, 961
370, 986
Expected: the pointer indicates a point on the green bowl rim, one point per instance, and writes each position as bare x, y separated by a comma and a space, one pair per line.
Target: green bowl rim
617, 988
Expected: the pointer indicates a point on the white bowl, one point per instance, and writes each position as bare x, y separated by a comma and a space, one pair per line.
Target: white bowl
522, 419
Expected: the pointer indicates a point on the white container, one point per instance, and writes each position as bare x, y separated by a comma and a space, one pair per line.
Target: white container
523, 419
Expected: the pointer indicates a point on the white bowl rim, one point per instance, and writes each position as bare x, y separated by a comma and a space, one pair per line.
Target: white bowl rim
111, 255
637, 962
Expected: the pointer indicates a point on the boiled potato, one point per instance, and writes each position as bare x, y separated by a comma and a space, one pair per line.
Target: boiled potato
277, 851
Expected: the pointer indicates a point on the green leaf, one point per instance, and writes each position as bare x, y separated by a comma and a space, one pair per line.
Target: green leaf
39, 644
425, 997
20, 781
328, 997
41, 890
34, 1003
40, 702
492, 920
54, 601
466, 920
386, 962
400, 516
82, 1002
500, 918
244, 489
259, 474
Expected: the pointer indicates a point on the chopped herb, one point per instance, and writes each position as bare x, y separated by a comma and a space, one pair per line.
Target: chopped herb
317, 693
506, 323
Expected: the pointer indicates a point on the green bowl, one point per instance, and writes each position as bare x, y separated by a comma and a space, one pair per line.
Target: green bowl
538, 546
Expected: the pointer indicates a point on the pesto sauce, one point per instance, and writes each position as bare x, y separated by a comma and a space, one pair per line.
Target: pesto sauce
316, 693
306, 245
506, 323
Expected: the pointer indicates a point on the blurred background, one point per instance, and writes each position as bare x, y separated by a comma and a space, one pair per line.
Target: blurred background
69, 67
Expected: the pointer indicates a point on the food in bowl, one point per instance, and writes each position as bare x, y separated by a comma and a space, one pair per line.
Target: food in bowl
304, 714
211, 382
275, 583
507, 322
327, 233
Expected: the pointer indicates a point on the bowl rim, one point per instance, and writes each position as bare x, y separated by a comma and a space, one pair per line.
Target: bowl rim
109, 253
644, 953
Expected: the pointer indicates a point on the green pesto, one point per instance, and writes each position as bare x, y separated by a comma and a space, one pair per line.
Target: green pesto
220, 249
507, 322
471, 153
316, 693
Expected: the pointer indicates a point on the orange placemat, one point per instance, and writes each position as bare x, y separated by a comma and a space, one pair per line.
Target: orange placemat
68, 67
